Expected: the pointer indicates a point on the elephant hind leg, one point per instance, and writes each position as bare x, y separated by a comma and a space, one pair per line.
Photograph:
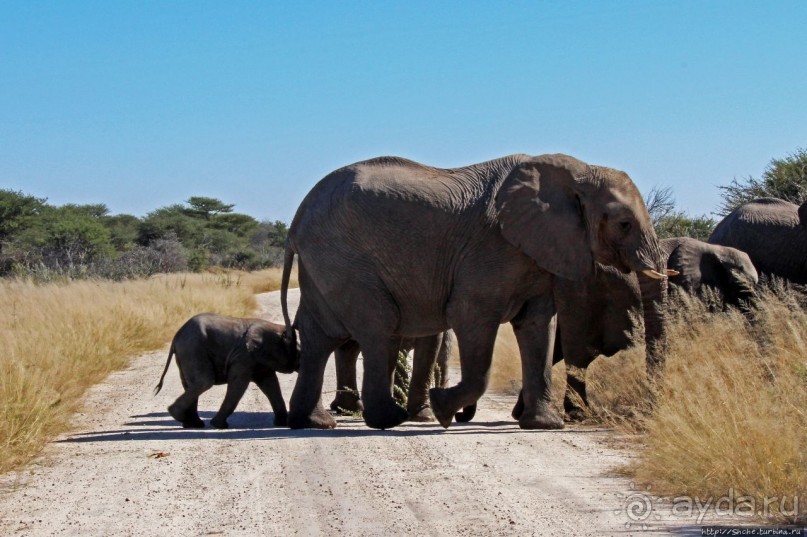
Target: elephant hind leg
380, 409
184, 409
305, 408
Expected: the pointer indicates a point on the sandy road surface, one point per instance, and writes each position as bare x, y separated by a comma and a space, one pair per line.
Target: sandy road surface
483, 478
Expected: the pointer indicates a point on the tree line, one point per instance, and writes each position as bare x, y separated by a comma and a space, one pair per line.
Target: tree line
42, 240
783, 178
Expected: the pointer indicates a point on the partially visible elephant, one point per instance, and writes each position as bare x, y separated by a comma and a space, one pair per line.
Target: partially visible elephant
772, 232
700, 264
215, 349
424, 249
430, 362
604, 316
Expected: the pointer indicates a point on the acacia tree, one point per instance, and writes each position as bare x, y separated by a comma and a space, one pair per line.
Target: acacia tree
783, 178
202, 207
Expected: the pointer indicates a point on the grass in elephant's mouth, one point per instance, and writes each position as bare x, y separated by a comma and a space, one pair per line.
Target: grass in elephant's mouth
730, 413
59, 339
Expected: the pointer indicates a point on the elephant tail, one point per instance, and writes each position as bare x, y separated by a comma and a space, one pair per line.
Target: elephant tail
288, 261
167, 363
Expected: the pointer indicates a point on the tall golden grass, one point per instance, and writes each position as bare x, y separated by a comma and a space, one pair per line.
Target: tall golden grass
59, 339
729, 414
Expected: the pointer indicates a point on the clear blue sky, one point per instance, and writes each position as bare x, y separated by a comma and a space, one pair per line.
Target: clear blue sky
142, 104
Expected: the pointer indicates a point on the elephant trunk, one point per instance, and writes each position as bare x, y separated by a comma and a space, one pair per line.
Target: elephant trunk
654, 307
742, 295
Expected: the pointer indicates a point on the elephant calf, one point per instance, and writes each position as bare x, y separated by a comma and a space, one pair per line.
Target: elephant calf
214, 349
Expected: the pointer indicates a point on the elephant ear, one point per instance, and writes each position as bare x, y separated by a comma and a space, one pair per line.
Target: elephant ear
685, 259
253, 338
803, 214
540, 212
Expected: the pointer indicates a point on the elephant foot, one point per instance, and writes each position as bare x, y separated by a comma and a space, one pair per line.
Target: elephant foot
318, 419
518, 408
441, 407
466, 414
178, 414
545, 417
574, 406
346, 402
189, 420
385, 416
573, 412
193, 424
281, 420
219, 423
421, 414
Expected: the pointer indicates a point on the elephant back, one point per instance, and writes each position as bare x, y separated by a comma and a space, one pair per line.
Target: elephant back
770, 232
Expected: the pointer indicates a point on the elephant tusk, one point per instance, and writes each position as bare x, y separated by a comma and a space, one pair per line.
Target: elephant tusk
671, 272
653, 274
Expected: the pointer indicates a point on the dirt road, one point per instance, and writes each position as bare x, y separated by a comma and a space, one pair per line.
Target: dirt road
129, 469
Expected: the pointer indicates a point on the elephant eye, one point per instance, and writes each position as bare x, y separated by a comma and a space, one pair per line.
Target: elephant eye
625, 226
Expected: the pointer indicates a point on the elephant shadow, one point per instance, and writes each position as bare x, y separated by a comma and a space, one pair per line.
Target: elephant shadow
258, 426
239, 420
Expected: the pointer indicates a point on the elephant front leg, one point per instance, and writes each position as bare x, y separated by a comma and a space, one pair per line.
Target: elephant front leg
534, 328
347, 391
270, 387
575, 400
476, 340
236, 387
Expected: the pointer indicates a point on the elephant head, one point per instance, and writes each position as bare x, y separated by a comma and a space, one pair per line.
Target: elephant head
566, 214
268, 343
701, 264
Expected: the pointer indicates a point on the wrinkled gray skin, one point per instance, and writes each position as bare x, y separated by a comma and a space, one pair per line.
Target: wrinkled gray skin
215, 349
701, 264
429, 351
772, 232
603, 316
424, 249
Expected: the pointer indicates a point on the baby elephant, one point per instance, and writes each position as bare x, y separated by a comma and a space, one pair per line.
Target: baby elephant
214, 349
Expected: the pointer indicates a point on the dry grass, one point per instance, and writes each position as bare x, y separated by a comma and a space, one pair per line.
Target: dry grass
260, 281
730, 413
59, 339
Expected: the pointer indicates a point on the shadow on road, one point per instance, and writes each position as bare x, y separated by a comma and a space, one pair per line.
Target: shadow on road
258, 426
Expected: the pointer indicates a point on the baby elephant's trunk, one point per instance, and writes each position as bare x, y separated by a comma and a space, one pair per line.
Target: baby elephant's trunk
292, 347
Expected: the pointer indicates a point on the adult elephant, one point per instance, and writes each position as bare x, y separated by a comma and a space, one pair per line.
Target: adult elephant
424, 249
429, 364
772, 232
602, 316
